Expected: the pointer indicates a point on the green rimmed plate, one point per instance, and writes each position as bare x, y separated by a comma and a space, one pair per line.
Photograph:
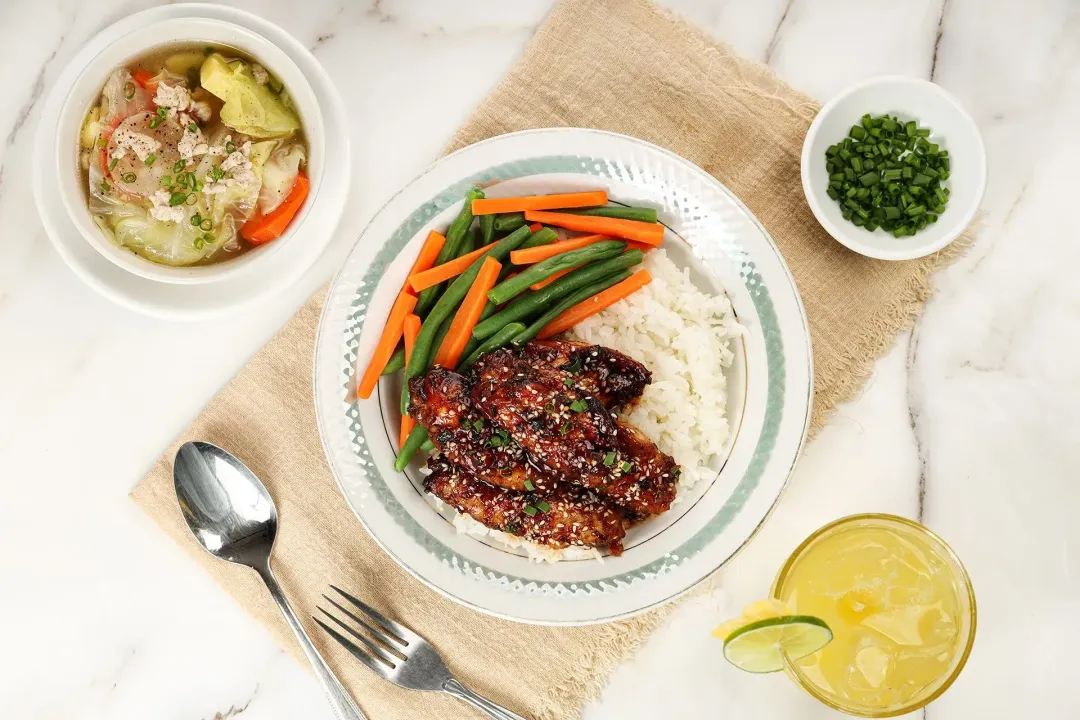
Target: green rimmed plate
770, 384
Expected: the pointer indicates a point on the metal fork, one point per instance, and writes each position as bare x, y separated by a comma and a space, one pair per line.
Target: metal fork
400, 655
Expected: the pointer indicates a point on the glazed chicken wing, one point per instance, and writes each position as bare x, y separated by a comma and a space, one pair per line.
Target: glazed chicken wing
559, 518
439, 401
569, 431
610, 376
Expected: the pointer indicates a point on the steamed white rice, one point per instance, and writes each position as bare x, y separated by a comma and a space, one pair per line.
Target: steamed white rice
684, 336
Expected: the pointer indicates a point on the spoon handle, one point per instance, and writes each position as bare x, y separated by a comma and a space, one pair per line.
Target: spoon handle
344, 706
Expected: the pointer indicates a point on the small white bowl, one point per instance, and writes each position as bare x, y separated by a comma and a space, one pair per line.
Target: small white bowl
86, 90
908, 99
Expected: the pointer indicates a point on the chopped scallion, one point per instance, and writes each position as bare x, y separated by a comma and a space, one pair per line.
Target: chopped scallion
887, 174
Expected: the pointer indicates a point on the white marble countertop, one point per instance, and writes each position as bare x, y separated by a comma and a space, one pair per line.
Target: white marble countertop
972, 422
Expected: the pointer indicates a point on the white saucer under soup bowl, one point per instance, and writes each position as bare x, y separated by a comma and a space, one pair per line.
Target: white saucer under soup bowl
86, 90
951, 129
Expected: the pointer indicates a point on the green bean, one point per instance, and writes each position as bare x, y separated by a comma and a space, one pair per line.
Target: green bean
428, 446
546, 268
454, 237
444, 329
509, 222
543, 236
580, 296
396, 362
487, 229
541, 299
641, 214
416, 438
496, 341
470, 242
423, 350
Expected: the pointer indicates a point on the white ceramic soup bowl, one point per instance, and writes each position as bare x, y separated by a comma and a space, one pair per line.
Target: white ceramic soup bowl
86, 91
951, 128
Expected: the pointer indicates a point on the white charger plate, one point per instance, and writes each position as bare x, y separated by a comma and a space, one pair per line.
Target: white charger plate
236, 292
771, 383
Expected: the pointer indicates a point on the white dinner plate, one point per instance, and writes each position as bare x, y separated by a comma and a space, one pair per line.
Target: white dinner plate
244, 289
771, 382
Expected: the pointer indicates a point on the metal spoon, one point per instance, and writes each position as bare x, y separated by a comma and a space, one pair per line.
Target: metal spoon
232, 515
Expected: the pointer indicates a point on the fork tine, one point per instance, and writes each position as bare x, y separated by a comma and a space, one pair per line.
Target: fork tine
392, 643
352, 648
404, 634
373, 649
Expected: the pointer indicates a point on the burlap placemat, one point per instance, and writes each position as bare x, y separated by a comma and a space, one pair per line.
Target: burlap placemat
620, 65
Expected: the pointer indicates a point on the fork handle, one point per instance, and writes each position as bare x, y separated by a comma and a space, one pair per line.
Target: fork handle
344, 706
481, 703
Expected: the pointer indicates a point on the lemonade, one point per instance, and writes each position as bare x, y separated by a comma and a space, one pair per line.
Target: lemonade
900, 607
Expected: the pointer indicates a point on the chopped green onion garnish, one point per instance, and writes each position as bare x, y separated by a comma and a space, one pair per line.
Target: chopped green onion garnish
530, 510
178, 166
609, 459
529, 486
206, 225
625, 466
198, 243
579, 406
193, 127
128, 177
230, 147
162, 113
208, 238
887, 174
568, 383
154, 122
566, 428
112, 163
129, 90
543, 506
192, 198
177, 198
150, 160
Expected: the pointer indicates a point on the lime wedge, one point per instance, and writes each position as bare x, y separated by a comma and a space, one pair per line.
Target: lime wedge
761, 646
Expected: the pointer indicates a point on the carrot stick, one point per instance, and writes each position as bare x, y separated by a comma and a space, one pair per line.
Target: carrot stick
543, 252
410, 328
264, 228
395, 326
425, 260
596, 303
468, 315
488, 206
648, 233
544, 283
643, 247
536, 227
439, 273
